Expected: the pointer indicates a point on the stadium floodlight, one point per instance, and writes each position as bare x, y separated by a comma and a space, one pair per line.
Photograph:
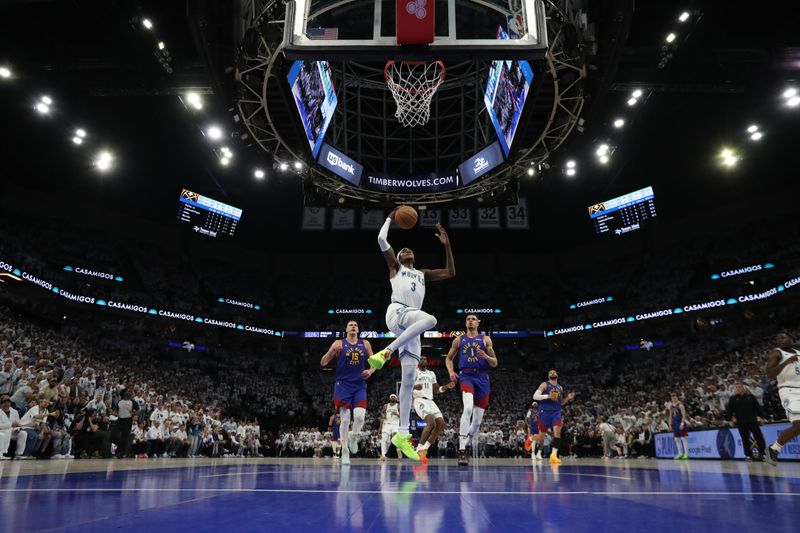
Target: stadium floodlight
684, 17
570, 172
794, 101
531, 172
602, 150
671, 37
161, 45
214, 133
637, 93
756, 136
77, 140
632, 101
42, 108
224, 161
147, 24
259, 174
103, 161
298, 165
604, 159
284, 166
619, 123
790, 93
46, 100
194, 100
729, 157
570, 164
5, 72
226, 152
752, 128
80, 133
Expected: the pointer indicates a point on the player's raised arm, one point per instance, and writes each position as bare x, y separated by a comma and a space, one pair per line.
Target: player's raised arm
386, 248
331, 354
449, 271
451, 355
540, 395
489, 354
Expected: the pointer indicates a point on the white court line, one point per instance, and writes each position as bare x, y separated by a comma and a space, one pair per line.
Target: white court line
287, 472
488, 492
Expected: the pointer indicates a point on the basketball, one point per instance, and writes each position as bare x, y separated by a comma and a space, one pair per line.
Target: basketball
406, 217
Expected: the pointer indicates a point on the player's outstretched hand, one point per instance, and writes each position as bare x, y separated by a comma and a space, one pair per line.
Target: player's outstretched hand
441, 234
366, 373
391, 215
453, 377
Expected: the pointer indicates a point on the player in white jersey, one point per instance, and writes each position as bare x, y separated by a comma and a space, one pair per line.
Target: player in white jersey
783, 364
406, 319
425, 385
390, 423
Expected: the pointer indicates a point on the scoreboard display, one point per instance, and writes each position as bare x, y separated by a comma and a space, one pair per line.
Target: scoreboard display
625, 213
208, 216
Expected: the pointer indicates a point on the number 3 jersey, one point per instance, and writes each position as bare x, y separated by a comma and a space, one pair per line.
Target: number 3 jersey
408, 287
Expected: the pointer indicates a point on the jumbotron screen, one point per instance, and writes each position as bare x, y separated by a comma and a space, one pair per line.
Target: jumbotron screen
625, 213
208, 216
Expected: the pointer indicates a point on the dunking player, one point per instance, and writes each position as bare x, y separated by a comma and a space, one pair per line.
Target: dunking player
405, 318
424, 386
550, 396
680, 431
783, 365
535, 436
350, 391
475, 357
390, 423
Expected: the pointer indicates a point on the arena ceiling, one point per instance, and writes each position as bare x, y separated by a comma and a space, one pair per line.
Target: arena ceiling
102, 71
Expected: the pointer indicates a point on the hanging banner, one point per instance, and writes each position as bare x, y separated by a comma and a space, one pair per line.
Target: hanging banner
343, 218
517, 215
460, 218
313, 218
372, 218
429, 218
489, 217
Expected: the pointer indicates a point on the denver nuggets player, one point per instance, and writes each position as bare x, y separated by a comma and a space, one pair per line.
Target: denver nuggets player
475, 357
783, 364
405, 318
550, 396
350, 391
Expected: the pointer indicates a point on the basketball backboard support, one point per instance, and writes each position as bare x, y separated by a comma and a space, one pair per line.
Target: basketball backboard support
364, 30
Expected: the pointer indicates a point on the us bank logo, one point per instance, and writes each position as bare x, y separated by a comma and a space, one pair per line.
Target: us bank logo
337, 161
481, 163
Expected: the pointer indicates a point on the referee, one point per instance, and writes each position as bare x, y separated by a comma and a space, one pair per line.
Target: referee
746, 411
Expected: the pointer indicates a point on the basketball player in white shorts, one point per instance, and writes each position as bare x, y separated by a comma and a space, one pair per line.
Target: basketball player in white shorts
406, 319
783, 364
390, 423
425, 385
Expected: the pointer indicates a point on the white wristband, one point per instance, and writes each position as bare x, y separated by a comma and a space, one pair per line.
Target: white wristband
538, 396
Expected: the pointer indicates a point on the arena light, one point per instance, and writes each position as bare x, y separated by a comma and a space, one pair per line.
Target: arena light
619, 123
284, 166
214, 133
604, 159
756, 136
259, 174
728, 157
684, 17
77, 140
80, 133
194, 100
752, 128
531, 172
298, 165
794, 101
226, 152
224, 161
570, 172
42, 108
790, 93
103, 161
671, 37
632, 102
147, 24
5, 72
161, 45
570, 164
602, 150
46, 100
637, 93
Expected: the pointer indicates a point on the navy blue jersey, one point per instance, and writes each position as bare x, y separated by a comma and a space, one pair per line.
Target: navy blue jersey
551, 406
468, 353
351, 362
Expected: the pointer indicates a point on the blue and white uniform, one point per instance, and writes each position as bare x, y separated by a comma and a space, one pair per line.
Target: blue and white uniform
408, 293
789, 386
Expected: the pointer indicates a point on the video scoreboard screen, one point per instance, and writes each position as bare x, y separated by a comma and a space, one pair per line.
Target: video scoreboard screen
208, 216
625, 213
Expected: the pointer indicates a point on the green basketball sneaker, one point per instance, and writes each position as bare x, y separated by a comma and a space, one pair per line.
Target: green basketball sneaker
377, 360
403, 443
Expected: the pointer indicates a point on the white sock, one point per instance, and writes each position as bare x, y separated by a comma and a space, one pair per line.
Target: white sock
533, 448
384, 443
344, 426
477, 418
777, 446
685, 446
359, 413
466, 420
678, 445
420, 323
409, 370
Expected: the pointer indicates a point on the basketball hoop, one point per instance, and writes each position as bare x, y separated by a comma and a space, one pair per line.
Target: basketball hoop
413, 84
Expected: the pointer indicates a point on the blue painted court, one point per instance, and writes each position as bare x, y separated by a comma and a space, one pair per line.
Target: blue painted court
318, 495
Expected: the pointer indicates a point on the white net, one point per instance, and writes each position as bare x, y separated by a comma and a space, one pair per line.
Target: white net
413, 84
